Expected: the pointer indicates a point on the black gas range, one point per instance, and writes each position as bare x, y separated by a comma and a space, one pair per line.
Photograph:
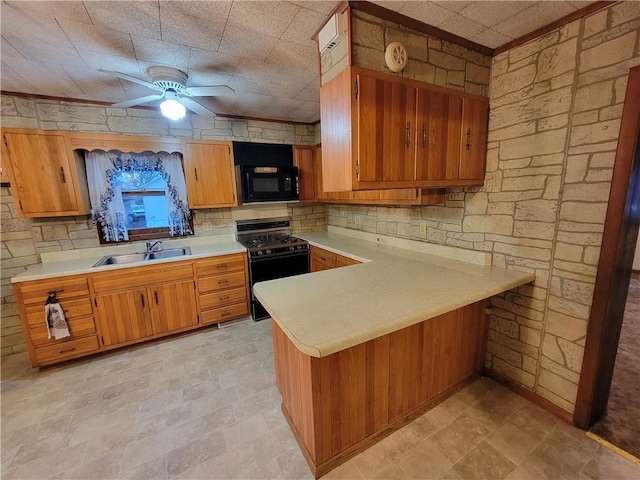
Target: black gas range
273, 253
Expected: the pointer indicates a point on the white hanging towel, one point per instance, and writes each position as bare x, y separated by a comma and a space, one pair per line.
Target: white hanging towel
54, 318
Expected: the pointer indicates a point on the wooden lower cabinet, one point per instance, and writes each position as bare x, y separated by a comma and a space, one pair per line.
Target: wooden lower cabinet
74, 296
223, 288
341, 404
322, 259
118, 307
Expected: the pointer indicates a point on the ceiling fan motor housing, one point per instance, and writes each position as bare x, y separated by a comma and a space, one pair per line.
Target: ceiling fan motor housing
168, 78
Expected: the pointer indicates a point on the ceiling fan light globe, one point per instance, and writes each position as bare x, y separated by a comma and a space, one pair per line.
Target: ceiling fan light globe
173, 109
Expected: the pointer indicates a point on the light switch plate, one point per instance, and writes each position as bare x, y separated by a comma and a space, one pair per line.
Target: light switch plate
423, 228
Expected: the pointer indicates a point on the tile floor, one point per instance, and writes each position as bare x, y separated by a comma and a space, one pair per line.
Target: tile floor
205, 406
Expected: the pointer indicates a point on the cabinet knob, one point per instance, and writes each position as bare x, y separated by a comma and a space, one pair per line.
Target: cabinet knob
408, 141
424, 135
63, 178
195, 170
468, 145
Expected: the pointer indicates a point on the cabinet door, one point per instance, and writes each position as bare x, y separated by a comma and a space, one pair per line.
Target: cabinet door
43, 179
173, 306
473, 144
124, 316
303, 159
209, 174
439, 118
386, 130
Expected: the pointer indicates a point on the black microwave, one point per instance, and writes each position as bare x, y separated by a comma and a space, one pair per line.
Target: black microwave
267, 184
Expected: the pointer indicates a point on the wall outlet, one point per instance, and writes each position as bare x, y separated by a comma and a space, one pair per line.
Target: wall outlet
423, 228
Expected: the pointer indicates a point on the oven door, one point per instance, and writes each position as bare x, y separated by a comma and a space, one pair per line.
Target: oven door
268, 268
269, 184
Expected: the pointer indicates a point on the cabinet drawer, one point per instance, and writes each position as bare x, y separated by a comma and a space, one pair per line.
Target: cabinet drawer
225, 297
345, 261
65, 287
64, 349
126, 279
224, 313
222, 264
214, 283
324, 257
78, 327
74, 308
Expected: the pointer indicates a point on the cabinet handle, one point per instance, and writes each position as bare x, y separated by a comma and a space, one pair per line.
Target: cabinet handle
424, 135
224, 298
195, 170
468, 145
322, 258
62, 177
155, 293
67, 350
142, 298
225, 314
222, 282
408, 142
224, 265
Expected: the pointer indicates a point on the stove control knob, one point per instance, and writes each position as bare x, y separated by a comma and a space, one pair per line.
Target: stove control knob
260, 252
268, 252
292, 248
300, 247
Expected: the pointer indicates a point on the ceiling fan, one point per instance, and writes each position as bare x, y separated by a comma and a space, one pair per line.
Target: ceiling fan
172, 83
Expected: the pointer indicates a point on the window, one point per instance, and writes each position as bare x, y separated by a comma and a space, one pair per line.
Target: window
137, 196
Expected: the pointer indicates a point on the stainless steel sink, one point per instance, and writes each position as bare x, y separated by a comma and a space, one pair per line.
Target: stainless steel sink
169, 253
125, 258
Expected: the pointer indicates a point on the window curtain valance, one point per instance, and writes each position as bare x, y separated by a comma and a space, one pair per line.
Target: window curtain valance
107, 206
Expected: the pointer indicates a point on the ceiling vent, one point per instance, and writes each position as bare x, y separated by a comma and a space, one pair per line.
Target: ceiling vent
331, 33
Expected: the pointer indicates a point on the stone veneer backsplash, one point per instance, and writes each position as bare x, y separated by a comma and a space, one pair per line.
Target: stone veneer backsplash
556, 104
24, 239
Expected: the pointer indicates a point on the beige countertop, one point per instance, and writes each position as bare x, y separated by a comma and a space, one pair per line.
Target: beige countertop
328, 311
77, 262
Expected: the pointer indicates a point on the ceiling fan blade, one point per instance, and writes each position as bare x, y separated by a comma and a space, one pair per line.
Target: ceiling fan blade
139, 81
196, 107
138, 101
212, 91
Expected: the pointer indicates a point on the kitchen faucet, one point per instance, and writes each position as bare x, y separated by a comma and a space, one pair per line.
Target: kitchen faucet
152, 245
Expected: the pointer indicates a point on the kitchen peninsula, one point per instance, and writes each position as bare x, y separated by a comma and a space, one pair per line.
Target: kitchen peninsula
362, 350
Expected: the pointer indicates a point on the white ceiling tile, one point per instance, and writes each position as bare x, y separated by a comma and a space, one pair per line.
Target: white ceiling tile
321, 7
47, 78
18, 25
197, 31
304, 24
49, 53
98, 39
292, 55
267, 18
14, 82
461, 26
161, 53
66, 10
246, 85
139, 17
9, 51
490, 38
430, 13
534, 17
309, 93
245, 43
214, 11
280, 90
453, 5
213, 63
95, 61
491, 13
257, 70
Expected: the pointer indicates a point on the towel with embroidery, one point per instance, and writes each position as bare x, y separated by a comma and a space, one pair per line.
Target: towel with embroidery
55, 319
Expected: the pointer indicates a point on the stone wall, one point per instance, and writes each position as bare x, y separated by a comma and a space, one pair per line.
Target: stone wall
431, 60
24, 239
556, 104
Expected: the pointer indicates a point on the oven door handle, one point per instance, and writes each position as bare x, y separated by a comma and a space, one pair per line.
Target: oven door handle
277, 255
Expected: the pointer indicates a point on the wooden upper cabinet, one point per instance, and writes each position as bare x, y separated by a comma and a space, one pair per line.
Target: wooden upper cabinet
209, 174
385, 134
380, 131
303, 158
438, 132
46, 177
473, 144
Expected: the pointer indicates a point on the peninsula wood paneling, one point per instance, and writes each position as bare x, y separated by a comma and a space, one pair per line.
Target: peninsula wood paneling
340, 404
